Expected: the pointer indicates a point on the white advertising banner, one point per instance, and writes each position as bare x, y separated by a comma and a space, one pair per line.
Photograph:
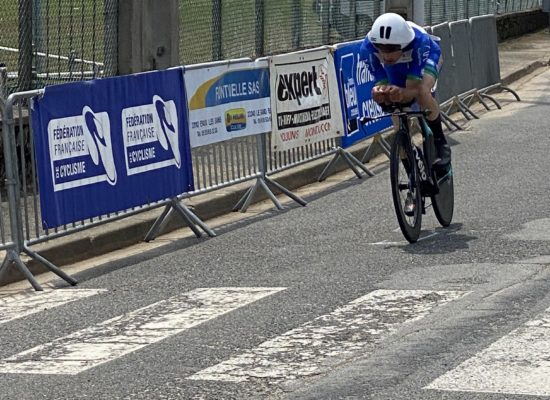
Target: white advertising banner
305, 101
227, 101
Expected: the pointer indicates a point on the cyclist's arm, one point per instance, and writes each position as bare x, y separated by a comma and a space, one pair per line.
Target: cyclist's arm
407, 94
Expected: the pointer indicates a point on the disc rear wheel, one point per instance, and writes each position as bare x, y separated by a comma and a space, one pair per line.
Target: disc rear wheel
443, 201
407, 197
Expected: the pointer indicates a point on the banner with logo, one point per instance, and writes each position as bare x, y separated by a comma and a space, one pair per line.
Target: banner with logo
355, 84
111, 144
304, 99
227, 100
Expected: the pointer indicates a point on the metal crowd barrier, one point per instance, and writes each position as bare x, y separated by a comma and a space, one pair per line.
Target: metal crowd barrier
470, 66
16, 188
484, 56
23, 205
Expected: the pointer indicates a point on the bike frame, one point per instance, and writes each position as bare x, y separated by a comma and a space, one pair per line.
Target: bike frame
426, 159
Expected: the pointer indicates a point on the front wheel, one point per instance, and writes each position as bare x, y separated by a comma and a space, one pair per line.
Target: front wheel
405, 186
443, 201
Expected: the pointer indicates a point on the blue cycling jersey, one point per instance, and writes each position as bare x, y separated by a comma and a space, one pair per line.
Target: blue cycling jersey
420, 57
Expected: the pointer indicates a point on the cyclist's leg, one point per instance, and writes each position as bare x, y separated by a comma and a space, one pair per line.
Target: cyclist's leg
426, 100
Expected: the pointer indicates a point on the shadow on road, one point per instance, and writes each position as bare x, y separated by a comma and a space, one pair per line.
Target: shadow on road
441, 241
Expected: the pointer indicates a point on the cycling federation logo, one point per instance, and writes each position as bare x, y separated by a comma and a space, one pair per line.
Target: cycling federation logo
81, 150
98, 139
151, 138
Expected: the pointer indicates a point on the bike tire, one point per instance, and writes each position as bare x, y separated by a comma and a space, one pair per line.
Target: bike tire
443, 201
405, 180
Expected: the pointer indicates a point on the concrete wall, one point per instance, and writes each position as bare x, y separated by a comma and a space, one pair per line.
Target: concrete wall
148, 35
519, 23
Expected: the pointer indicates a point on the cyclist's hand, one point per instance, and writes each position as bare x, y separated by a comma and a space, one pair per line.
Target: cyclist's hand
380, 94
395, 94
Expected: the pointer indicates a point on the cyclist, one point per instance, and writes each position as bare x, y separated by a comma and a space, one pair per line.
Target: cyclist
405, 62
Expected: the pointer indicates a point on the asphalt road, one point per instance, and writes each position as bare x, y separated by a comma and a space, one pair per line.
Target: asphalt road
321, 302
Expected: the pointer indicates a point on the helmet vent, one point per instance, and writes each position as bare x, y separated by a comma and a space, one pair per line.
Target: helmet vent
385, 32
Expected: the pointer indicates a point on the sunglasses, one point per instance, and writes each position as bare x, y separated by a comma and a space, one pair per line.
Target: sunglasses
387, 48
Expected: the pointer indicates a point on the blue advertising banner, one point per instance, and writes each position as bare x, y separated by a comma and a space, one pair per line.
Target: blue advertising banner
110, 144
355, 84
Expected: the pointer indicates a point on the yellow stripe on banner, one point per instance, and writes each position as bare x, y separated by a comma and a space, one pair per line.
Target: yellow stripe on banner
198, 100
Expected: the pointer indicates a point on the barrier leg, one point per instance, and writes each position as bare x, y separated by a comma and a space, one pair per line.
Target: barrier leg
385, 145
511, 91
190, 219
466, 110
193, 220
486, 96
247, 198
352, 160
270, 194
13, 256
377, 141
158, 224
324, 174
50, 266
261, 182
482, 101
4, 266
243, 198
449, 121
501, 87
294, 197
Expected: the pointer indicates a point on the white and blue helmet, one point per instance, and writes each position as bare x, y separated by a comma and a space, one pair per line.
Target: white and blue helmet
391, 29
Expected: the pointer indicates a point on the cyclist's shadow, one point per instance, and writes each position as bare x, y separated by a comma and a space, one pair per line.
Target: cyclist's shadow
440, 241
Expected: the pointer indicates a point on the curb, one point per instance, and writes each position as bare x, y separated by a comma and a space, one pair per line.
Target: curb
514, 76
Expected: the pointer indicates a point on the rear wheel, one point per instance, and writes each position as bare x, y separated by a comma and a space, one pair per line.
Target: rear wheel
443, 201
405, 187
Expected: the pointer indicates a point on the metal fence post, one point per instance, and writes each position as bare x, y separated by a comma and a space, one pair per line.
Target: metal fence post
111, 38
216, 30
25, 45
3, 86
297, 24
325, 21
259, 29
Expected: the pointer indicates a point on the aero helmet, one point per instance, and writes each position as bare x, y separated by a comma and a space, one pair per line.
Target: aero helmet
391, 29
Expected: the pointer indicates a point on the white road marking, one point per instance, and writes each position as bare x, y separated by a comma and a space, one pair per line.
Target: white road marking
388, 243
428, 236
403, 242
538, 229
518, 363
28, 303
329, 339
124, 334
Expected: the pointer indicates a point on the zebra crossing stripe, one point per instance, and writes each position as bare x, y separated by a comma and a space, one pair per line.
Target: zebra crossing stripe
328, 339
124, 334
28, 303
518, 363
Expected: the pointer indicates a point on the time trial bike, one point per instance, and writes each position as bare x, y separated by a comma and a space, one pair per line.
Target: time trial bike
414, 173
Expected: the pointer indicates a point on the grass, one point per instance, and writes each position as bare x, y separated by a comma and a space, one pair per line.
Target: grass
65, 29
